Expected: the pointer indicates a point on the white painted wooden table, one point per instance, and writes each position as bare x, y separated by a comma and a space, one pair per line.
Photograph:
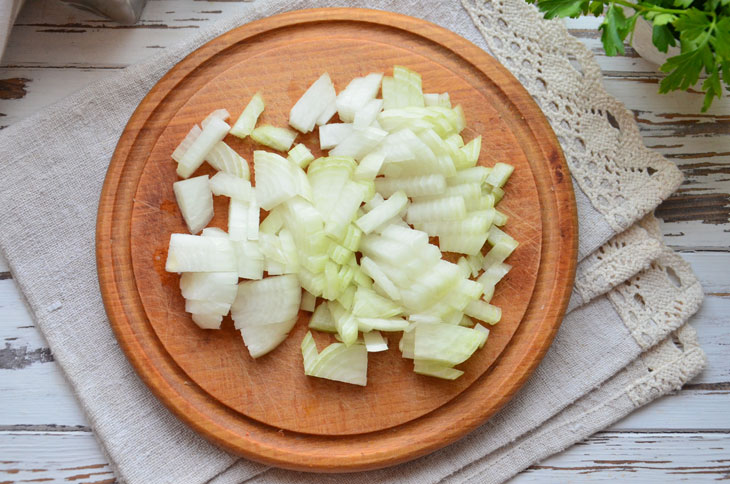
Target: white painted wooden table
55, 50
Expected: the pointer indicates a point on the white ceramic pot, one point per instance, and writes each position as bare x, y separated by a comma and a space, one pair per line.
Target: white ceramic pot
643, 45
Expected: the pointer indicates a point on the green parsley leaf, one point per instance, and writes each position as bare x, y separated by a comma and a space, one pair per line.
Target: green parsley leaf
685, 69
726, 72
614, 29
721, 40
596, 8
664, 19
712, 88
560, 8
692, 25
683, 3
662, 37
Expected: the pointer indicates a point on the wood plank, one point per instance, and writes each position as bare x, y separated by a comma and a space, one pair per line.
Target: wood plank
634, 457
38, 396
709, 411
637, 457
45, 35
38, 456
43, 88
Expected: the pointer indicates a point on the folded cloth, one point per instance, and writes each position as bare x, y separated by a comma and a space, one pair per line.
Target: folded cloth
54, 164
8, 12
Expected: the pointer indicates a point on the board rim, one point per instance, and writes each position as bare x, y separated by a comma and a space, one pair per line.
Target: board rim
169, 383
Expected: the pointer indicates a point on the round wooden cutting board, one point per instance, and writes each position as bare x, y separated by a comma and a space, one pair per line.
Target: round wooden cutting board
267, 409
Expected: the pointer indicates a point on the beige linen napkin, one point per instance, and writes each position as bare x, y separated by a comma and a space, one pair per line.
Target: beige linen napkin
54, 164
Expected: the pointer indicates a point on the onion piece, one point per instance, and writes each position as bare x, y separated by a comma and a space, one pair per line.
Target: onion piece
300, 156
210, 286
483, 311
313, 103
227, 185
275, 179
383, 212
274, 137
221, 114
269, 301
330, 135
195, 201
366, 115
250, 259
186, 143
208, 321
356, 95
260, 340
322, 319
447, 344
432, 368
358, 143
194, 156
381, 324
247, 121
374, 342
206, 307
224, 158
336, 362
193, 253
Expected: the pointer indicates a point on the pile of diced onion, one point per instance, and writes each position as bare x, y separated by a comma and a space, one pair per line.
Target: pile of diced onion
348, 237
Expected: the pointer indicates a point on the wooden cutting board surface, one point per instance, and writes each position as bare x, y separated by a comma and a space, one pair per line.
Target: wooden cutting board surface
267, 409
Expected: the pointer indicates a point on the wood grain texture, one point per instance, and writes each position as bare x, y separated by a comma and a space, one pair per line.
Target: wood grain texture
230, 398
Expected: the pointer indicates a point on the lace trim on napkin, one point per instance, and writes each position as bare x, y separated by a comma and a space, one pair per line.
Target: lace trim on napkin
613, 263
664, 372
623, 179
656, 372
659, 299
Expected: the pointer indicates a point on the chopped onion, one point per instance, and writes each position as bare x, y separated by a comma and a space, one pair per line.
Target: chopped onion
208, 321
340, 232
313, 103
193, 253
210, 286
336, 362
195, 201
446, 343
300, 156
374, 342
330, 135
194, 156
221, 114
383, 212
224, 158
433, 368
260, 340
309, 302
356, 95
366, 115
247, 121
227, 185
279, 139
186, 143
275, 179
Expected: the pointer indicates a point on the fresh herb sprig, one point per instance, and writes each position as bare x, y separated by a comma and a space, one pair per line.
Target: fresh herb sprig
701, 27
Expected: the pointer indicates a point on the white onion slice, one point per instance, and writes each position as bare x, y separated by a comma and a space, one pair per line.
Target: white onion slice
193, 253
269, 301
195, 201
313, 103
194, 156
247, 121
